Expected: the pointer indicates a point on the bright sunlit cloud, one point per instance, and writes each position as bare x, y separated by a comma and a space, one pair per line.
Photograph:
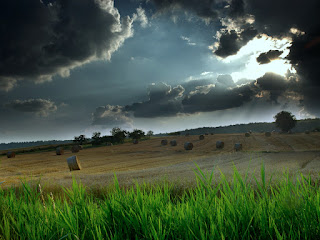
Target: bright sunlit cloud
253, 49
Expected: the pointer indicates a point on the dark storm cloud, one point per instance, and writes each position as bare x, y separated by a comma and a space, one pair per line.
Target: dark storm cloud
230, 42
267, 57
274, 84
164, 101
41, 40
111, 116
41, 107
218, 98
304, 55
167, 101
275, 18
236, 8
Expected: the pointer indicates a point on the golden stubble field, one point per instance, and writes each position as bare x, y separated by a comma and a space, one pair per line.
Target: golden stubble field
151, 162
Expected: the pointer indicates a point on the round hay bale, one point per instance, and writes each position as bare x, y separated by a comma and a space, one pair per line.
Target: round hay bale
59, 151
188, 146
219, 144
164, 142
173, 142
267, 134
247, 134
76, 148
307, 132
109, 144
201, 137
73, 163
11, 154
135, 141
238, 146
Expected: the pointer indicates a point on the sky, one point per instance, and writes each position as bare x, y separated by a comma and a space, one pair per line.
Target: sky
71, 67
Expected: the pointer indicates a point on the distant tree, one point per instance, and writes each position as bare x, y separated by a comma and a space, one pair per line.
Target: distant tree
96, 138
118, 135
285, 121
149, 134
80, 139
136, 134
174, 134
115, 130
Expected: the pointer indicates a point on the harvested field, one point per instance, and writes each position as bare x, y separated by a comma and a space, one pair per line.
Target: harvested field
150, 161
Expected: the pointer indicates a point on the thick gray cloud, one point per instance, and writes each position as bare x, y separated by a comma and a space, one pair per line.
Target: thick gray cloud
276, 18
236, 8
218, 98
304, 55
231, 41
267, 57
41, 107
111, 116
225, 81
163, 101
274, 84
167, 101
39, 41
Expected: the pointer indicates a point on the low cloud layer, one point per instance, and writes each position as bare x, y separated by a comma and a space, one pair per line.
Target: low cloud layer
39, 41
163, 101
40, 107
167, 101
111, 116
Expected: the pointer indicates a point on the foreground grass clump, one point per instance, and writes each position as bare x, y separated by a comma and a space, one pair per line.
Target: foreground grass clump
212, 210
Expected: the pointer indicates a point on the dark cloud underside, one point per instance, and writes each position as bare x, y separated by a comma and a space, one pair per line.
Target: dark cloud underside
267, 57
39, 106
40, 40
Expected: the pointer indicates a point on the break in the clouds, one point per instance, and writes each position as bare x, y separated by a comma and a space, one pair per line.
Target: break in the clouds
41, 107
188, 40
267, 57
39, 41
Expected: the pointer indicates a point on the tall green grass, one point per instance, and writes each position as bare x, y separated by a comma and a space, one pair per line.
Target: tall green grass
213, 209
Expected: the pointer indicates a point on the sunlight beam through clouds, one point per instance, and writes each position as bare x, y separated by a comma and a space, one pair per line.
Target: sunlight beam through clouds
253, 49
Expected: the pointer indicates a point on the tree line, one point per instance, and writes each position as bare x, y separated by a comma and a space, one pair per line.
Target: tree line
117, 136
